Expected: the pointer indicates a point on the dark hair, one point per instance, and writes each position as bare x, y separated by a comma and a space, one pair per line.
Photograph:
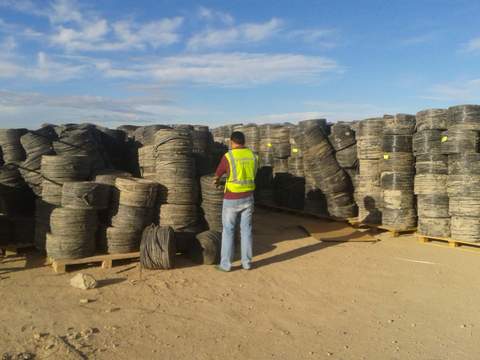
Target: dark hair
238, 138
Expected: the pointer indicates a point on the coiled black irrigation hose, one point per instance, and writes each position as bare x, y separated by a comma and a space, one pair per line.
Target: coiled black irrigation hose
157, 248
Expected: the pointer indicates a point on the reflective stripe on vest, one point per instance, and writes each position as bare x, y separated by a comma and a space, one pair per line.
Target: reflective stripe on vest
243, 168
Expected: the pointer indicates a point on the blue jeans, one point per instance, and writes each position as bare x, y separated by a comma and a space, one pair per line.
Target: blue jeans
232, 209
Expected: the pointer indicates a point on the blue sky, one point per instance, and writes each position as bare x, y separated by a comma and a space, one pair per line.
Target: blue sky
213, 62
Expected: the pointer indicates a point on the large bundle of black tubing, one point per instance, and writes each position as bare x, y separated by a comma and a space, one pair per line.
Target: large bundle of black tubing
206, 249
264, 188
202, 142
342, 138
157, 248
265, 150
178, 184
431, 176
368, 189
146, 161
36, 144
212, 202
83, 139
11, 147
330, 178
397, 178
136, 200
72, 233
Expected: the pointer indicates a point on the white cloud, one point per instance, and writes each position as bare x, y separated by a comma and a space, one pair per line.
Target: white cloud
44, 108
18, 30
243, 34
459, 91
99, 35
323, 37
348, 111
213, 15
13, 65
292, 117
473, 45
418, 39
239, 69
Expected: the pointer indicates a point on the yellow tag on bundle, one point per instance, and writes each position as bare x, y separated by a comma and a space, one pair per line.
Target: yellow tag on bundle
295, 150
444, 138
269, 145
386, 156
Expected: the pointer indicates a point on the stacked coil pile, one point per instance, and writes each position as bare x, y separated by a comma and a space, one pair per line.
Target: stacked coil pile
330, 178
108, 178
314, 200
281, 148
157, 248
207, 247
202, 142
461, 143
342, 138
146, 161
212, 202
397, 176
136, 203
83, 139
265, 150
56, 170
178, 187
73, 226
11, 148
431, 173
368, 190
295, 161
36, 144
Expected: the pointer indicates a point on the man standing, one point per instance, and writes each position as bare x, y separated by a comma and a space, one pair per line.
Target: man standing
240, 166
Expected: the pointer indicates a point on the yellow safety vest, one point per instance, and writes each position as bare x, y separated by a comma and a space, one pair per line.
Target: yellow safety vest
243, 168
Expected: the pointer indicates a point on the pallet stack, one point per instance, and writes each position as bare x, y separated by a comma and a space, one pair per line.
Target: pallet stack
431, 173
461, 143
399, 210
368, 190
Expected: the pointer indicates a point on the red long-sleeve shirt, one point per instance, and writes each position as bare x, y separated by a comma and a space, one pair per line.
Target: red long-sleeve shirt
224, 168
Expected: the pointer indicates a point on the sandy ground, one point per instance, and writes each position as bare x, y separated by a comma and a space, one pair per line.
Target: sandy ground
392, 299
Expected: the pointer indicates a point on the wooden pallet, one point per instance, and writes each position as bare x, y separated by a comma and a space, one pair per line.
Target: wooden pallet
15, 249
448, 242
60, 265
394, 232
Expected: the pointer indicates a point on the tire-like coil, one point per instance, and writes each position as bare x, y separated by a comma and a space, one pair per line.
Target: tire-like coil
464, 164
430, 184
465, 228
464, 117
437, 227
341, 137
460, 141
157, 248
433, 206
432, 164
207, 248
432, 119
397, 143
400, 124
137, 192
87, 195
398, 162
427, 142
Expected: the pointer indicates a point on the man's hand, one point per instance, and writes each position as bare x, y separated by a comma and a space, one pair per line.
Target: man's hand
216, 181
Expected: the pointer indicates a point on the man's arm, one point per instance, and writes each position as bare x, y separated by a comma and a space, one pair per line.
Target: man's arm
222, 169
